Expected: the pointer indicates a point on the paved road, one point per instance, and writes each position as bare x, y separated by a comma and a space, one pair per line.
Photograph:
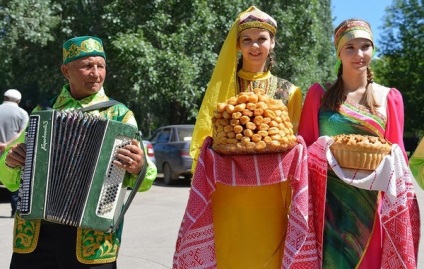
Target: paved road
151, 228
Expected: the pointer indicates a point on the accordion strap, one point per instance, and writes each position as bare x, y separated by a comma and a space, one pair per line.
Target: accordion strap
133, 192
48, 104
98, 106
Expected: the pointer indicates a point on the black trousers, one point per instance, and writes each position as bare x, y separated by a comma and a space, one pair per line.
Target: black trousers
55, 250
14, 201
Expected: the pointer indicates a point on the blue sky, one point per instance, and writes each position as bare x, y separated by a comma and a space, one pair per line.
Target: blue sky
370, 10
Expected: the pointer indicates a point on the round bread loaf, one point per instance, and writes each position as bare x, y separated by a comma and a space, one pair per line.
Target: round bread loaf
252, 122
359, 151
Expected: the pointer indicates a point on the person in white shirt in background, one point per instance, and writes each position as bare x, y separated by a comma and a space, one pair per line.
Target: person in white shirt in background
13, 121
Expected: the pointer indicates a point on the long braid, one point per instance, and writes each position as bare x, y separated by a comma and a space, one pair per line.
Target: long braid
270, 61
370, 75
334, 97
240, 63
369, 99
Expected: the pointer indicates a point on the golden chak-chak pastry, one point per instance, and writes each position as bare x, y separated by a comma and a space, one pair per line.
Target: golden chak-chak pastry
359, 151
252, 122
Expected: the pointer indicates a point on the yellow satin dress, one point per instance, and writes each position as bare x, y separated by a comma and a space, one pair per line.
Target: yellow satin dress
250, 225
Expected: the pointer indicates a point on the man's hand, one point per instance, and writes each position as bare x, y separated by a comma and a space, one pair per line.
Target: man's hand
130, 157
16, 155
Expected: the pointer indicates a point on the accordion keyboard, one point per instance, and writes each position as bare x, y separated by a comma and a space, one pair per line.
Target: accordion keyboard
24, 203
113, 182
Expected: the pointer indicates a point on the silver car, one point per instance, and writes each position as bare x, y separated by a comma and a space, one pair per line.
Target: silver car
171, 145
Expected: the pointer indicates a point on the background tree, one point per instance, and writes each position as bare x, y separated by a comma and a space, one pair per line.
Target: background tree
402, 58
305, 52
160, 54
26, 30
173, 51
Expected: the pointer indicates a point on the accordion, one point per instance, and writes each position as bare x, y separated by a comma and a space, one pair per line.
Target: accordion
69, 176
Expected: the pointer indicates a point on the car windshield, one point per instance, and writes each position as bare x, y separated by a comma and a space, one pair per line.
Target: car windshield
184, 134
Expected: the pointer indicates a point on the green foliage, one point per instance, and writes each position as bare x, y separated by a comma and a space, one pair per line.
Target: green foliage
163, 60
25, 31
27, 20
402, 61
305, 51
160, 53
170, 56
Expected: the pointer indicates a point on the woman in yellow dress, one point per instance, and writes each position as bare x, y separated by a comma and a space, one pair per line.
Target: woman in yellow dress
249, 222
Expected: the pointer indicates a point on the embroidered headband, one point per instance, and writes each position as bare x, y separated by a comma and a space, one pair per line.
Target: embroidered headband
256, 19
349, 30
82, 46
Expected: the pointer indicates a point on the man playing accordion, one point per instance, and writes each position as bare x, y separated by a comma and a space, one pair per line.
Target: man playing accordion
42, 244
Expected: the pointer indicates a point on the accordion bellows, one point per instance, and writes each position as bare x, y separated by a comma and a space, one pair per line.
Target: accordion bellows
69, 176
252, 122
359, 151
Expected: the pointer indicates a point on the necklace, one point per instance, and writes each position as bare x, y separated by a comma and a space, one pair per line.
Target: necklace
253, 76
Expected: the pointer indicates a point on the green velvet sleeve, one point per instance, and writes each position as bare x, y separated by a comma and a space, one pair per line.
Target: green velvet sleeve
416, 163
150, 177
10, 177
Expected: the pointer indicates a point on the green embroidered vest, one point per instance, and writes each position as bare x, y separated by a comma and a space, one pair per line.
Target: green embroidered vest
92, 246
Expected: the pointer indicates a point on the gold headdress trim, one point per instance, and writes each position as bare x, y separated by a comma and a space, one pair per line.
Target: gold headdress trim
257, 25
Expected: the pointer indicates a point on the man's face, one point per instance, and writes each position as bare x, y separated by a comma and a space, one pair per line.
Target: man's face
85, 75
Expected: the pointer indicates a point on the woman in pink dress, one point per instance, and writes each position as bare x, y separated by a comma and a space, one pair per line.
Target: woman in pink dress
362, 219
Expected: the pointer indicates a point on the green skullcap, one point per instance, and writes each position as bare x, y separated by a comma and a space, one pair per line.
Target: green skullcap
82, 46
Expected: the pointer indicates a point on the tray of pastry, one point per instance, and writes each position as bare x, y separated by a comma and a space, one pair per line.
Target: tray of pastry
251, 123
